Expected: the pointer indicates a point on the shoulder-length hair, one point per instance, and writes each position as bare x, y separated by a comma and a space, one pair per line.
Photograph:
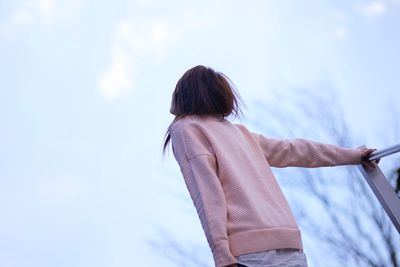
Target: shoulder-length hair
204, 92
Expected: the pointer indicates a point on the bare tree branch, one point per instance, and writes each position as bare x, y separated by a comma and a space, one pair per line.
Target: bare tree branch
348, 224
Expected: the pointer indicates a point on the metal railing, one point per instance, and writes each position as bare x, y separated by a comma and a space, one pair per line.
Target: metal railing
384, 152
381, 187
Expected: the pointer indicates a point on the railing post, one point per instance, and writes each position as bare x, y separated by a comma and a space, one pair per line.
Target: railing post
381, 187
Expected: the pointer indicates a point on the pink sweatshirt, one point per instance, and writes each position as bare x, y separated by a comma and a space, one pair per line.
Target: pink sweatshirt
227, 171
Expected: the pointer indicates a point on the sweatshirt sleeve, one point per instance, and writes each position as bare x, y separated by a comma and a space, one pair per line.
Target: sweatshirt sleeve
305, 153
199, 171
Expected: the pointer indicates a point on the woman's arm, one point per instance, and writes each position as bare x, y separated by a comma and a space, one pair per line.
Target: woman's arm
199, 169
307, 153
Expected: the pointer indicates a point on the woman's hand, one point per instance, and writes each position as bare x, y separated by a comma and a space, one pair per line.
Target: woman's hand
364, 154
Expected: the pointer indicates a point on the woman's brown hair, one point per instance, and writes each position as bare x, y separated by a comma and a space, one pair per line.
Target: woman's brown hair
203, 91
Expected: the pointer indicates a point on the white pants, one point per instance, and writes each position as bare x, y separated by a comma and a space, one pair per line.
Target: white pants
285, 257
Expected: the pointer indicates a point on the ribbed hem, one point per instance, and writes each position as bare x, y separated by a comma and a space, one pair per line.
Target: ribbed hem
222, 254
265, 239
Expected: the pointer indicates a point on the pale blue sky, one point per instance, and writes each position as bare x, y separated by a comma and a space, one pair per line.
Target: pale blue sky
85, 90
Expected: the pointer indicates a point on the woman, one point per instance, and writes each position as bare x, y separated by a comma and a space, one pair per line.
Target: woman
243, 211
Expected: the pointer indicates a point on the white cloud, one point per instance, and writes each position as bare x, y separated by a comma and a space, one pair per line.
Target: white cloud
373, 9
138, 39
341, 19
133, 42
118, 79
44, 12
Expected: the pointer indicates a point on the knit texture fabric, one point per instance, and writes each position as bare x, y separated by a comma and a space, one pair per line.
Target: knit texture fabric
226, 168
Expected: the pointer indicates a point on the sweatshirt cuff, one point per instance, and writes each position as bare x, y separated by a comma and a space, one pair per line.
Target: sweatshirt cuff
222, 254
356, 155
